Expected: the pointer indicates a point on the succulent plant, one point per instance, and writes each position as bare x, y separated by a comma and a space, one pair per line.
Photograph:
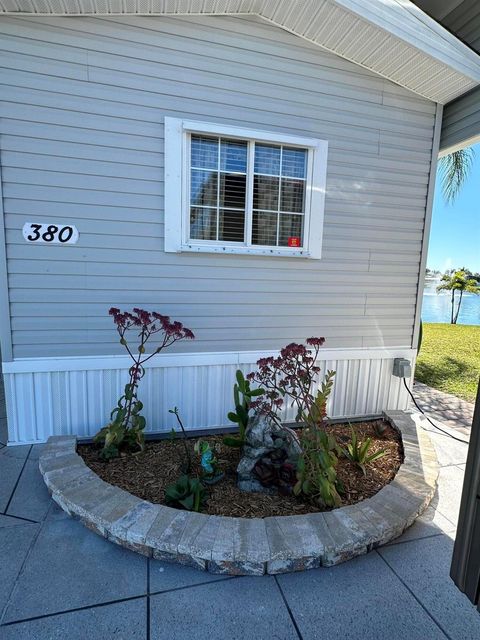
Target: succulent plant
242, 398
187, 493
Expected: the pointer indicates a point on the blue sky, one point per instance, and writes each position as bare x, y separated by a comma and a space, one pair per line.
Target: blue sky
455, 233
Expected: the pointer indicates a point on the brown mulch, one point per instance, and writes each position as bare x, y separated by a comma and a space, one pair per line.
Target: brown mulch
147, 474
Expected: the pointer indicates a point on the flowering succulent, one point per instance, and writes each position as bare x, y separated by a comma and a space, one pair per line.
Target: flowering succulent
127, 423
292, 375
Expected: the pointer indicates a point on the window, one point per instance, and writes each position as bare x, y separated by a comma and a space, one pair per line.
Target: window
232, 190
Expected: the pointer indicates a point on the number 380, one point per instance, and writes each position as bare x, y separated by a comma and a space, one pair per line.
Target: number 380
34, 232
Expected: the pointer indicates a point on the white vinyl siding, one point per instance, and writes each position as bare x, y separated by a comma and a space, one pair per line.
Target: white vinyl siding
82, 142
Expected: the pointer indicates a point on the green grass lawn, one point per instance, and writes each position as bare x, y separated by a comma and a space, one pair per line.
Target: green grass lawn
449, 359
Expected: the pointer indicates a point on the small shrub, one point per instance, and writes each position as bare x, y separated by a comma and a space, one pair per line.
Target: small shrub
186, 493
127, 424
292, 375
242, 398
357, 452
316, 468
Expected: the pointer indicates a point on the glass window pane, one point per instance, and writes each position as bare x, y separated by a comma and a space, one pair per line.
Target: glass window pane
233, 155
233, 190
204, 152
231, 226
267, 159
264, 228
294, 162
203, 188
265, 193
293, 193
203, 223
290, 233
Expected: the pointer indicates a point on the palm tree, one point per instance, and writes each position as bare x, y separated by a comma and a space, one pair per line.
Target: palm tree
460, 281
455, 169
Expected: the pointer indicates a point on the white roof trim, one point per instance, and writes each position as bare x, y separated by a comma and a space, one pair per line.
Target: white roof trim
393, 38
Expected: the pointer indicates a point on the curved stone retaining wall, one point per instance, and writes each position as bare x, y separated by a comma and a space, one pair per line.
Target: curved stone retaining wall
241, 546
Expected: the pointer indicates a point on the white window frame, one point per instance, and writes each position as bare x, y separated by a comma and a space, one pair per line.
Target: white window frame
177, 180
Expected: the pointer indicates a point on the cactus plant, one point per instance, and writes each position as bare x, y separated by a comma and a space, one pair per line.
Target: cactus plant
242, 398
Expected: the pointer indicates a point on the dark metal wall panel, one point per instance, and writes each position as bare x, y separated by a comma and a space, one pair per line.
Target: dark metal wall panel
465, 570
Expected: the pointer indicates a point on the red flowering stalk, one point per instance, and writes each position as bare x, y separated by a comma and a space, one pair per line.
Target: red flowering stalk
291, 374
127, 423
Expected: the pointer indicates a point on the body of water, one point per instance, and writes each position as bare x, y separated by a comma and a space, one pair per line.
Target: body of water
437, 306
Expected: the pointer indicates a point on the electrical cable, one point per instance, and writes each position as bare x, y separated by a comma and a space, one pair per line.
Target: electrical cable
430, 421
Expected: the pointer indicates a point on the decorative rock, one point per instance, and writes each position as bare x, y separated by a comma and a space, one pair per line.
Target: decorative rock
260, 441
242, 546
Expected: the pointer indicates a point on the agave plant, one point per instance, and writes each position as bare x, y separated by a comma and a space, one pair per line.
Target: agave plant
357, 452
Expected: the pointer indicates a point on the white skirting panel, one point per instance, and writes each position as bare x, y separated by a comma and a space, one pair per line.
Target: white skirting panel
53, 396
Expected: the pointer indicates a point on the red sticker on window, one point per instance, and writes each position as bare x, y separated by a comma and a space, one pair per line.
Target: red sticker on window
294, 242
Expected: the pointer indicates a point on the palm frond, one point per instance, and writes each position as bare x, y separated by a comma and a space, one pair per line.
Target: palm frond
455, 169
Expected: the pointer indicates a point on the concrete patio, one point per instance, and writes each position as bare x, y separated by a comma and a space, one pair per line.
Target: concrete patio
61, 580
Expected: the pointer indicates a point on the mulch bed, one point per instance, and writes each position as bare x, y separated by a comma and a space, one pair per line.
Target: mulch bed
147, 474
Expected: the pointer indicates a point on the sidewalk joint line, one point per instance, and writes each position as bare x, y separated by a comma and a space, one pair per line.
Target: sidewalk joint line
74, 610
26, 520
109, 602
148, 598
414, 596
397, 542
22, 566
16, 483
285, 602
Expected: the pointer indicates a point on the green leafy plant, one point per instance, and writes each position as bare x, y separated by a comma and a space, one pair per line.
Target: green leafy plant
127, 424
242, 398
292, 375
187, 493
316, 468
357, 452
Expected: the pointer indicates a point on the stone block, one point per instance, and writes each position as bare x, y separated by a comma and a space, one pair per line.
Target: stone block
166, 531
110, 509
349, 541
295, 542
60, 462
134, 525
198, 536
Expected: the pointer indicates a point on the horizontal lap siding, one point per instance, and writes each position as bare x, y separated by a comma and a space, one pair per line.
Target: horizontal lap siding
82, 114
461, 118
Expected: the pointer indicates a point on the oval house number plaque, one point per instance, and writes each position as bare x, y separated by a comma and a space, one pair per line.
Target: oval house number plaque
50, 233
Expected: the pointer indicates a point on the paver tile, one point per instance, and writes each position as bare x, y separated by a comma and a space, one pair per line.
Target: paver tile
359, 599
449, 492
169, 575
122, 621
31, 498
70, 566
12, 460
424, 566
14, 545
238, 609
